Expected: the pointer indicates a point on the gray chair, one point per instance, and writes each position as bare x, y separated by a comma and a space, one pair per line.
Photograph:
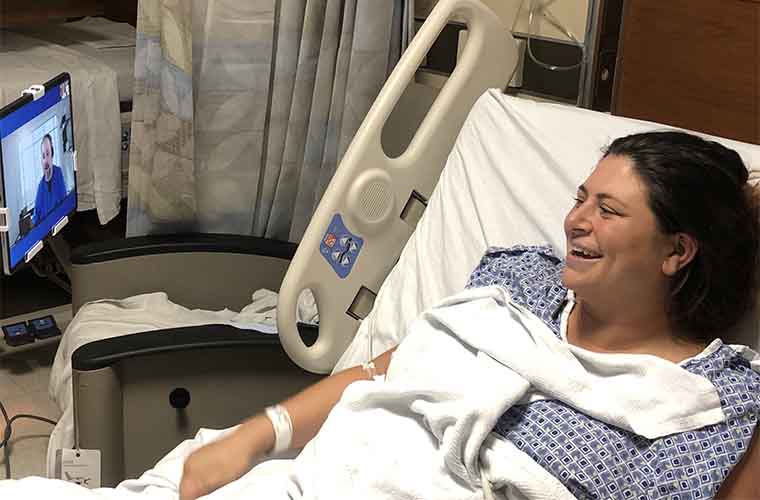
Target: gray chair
137, 396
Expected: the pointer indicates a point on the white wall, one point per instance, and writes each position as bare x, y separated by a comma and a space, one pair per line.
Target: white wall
571, 13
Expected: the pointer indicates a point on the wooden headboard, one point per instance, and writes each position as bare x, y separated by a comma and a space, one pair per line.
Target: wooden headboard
25, 12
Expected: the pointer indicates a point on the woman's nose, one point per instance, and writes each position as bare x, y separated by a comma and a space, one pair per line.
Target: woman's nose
578, 220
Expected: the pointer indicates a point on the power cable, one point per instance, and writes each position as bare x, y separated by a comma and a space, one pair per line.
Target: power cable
9, 432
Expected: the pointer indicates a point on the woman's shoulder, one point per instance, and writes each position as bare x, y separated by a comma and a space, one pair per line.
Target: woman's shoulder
730, 370
720, 358
517, 262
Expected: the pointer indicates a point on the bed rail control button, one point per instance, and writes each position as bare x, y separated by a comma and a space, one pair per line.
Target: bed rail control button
179, 398
415, 206
362, 304
340, 247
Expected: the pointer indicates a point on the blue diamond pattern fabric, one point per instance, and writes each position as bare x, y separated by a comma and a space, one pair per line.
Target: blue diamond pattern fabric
595, 460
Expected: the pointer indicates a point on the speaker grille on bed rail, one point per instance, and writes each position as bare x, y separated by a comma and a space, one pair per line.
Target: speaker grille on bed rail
375, 200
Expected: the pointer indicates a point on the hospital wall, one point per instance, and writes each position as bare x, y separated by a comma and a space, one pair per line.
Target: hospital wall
571, 13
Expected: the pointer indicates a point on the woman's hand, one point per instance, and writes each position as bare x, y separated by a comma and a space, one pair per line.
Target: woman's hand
226, 460
223, 461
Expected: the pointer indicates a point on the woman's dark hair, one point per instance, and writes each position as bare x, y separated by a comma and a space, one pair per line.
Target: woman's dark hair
700, 188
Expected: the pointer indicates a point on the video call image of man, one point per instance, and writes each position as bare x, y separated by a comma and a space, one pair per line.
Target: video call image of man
52, 187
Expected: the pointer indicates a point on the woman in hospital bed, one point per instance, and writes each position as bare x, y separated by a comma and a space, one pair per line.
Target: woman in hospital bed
662, 251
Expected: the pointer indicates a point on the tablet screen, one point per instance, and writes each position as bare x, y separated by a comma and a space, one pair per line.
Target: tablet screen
37, 163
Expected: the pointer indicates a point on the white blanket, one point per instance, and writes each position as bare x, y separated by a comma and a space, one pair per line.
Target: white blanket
423, 432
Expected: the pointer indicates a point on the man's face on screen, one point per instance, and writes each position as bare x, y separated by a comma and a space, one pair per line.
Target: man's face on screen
47, 159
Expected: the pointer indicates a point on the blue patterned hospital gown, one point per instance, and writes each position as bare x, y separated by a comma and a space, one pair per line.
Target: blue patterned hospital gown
596, 460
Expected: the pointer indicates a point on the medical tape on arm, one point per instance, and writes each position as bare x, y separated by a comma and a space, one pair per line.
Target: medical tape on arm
370, 369
283, 428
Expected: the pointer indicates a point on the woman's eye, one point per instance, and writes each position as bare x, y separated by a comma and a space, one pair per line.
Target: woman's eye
578, 201
606, 210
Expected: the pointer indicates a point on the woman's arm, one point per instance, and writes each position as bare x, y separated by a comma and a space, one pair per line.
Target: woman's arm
744, 481
225, 460
309, 408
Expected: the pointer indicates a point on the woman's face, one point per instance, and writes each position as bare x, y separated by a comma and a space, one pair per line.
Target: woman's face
615, 250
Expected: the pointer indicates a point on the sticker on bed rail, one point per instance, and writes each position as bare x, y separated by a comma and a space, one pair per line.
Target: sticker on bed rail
340, 247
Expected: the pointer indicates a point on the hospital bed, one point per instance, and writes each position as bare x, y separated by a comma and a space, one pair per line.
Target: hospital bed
113, 377
100, 56
511, 169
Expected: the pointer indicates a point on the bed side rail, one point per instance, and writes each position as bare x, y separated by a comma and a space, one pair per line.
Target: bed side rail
359, 227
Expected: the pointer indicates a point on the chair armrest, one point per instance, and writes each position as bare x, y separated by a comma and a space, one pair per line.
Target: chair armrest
197, 271
107, 352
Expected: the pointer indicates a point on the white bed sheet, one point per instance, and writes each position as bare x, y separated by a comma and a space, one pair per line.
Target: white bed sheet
97, 130
510, 179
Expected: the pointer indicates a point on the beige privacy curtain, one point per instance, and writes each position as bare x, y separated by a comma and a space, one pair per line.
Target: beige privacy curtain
243, 108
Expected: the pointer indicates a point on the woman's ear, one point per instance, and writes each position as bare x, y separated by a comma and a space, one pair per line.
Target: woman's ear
682, 251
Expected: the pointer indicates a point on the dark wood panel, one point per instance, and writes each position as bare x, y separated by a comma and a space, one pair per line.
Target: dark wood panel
124, 11
24, 12
691, 63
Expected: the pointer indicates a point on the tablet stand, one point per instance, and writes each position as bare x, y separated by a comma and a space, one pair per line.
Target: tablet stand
52, 265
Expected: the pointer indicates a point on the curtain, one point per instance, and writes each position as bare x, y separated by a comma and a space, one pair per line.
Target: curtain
243, 108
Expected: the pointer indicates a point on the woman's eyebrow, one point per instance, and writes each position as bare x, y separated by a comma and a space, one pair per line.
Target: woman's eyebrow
601, 196
606, 196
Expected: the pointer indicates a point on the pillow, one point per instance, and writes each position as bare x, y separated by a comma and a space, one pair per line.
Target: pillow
510, 179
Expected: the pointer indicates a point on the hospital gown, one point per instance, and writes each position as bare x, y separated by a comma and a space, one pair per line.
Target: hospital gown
596, 460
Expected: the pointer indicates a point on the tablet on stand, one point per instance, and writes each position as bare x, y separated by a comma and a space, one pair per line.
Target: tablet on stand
37, 171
